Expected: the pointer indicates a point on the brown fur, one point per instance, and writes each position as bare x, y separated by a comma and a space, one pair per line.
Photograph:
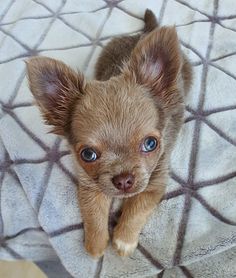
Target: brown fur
139, 92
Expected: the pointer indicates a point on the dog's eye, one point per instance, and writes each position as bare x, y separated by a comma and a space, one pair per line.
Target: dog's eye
149, 144
88, 155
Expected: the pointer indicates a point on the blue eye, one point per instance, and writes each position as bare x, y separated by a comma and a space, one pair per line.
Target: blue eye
88, 155
149, 144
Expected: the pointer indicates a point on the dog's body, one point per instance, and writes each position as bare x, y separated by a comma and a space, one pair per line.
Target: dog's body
121, 127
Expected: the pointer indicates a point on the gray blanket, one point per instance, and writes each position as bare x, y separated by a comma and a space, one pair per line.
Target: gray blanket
193, 232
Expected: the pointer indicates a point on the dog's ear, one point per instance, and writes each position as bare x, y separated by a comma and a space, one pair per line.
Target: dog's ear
56, 87
156, 62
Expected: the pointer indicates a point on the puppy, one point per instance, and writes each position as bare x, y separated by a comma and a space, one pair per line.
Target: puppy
121, 127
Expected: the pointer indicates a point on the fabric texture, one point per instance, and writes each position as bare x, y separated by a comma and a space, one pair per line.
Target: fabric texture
193, 232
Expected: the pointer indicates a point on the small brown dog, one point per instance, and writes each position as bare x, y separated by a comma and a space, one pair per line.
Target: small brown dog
121, 127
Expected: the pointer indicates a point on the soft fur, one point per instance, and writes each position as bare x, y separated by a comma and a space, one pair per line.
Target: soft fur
139, 92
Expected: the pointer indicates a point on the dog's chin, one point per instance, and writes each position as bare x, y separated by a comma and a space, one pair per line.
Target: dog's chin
120, 194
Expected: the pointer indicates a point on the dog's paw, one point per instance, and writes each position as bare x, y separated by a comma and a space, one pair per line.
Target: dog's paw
124, 248
96, 246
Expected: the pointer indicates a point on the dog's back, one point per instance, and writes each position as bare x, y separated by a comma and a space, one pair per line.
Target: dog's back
118, 50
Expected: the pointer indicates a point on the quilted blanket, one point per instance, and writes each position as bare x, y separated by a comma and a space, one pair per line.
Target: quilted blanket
193, 232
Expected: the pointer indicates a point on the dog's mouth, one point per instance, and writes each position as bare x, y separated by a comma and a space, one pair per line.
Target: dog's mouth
130, 192
122, 194
114, 193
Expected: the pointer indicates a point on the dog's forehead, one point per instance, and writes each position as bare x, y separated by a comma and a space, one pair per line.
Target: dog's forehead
115, 111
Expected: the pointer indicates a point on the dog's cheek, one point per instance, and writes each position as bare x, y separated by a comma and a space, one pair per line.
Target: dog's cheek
105, 184
91, 168
149, 162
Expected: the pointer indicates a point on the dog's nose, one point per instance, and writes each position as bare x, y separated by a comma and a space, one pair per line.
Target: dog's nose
123, 181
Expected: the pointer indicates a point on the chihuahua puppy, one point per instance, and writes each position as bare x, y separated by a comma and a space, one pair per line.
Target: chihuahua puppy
121, 126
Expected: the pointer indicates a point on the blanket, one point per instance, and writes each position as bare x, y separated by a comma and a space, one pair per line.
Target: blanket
193, 231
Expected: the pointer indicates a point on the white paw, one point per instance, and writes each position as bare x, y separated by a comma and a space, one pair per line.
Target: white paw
124, 248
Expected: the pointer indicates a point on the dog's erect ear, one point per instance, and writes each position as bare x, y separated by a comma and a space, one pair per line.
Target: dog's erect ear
56, 87
156, 62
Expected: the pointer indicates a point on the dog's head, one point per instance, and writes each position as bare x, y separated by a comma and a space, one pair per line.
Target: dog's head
116, 127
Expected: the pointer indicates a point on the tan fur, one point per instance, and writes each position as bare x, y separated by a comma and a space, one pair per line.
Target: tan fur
63, 87
95, 219
139, 92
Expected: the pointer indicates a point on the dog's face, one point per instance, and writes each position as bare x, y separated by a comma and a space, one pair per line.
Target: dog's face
115, 127
116, 135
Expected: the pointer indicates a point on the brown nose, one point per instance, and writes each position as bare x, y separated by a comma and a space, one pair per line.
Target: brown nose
123, 181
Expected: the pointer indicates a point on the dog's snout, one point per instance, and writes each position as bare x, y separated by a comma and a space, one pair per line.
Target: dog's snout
123, 181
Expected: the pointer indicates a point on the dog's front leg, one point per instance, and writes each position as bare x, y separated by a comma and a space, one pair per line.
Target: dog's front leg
94, 206
135, 212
